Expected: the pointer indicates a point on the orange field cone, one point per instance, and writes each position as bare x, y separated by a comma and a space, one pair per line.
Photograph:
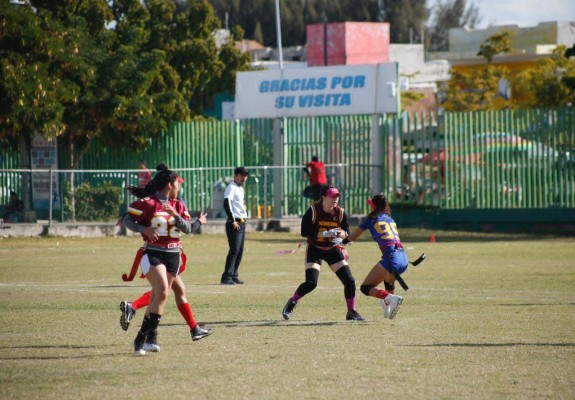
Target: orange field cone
432, 238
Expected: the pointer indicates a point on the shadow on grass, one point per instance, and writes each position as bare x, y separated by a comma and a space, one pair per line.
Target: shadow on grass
278, 323
537, 304
489, 345
408, 235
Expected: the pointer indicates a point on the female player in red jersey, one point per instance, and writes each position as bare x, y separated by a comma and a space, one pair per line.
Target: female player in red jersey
393, 259
324, 225
160, 217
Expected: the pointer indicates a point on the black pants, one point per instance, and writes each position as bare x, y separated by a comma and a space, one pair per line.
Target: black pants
236, 243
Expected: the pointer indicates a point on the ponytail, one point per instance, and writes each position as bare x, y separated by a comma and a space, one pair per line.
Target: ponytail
160, 180
379, 205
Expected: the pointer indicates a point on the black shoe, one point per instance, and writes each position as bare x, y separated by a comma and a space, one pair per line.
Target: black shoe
353, 315
128, 313
151, 343
288, 309
237, 281
227, 282
198, 333
139, 344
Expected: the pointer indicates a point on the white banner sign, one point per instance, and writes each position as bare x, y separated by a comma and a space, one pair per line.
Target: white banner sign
314, 91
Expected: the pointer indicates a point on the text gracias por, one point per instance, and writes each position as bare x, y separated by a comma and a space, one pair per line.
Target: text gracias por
309, 84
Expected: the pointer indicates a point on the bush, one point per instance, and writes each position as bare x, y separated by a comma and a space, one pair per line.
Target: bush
94, 203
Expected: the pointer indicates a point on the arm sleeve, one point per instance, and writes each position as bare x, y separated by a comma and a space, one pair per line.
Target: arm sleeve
344, 222
129, 222
307, 230
228, 210
185, 225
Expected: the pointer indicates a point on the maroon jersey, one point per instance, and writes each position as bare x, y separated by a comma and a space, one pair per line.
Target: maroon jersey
315, 221
148, 212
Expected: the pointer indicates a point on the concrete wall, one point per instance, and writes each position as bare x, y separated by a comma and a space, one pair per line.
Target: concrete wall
465, 43
348, 43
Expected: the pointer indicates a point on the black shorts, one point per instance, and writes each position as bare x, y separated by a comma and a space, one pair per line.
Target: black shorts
171, 259
316, 255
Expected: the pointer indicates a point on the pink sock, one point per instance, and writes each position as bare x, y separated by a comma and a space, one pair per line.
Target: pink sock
350, 303
296, 297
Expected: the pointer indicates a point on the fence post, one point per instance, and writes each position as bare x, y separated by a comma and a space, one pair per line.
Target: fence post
278, 161
51, 199
202, 194
376, 155
265, 195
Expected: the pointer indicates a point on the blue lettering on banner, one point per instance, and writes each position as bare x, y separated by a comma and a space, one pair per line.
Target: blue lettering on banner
348, 82
314, 100
308, 84
285, 102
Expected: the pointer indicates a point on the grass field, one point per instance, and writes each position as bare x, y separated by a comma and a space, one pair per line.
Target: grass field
486, 317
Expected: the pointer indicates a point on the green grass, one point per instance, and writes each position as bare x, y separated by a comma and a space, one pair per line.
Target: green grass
486, 316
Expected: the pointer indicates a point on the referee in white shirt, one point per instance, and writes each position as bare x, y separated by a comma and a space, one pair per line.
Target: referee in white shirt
235, 207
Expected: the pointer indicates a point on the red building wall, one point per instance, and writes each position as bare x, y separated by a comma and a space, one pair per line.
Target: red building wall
348, 43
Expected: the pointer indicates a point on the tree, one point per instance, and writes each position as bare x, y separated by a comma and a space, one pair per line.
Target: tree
478, 88
64, 74
447, 15
406, 17
550, 83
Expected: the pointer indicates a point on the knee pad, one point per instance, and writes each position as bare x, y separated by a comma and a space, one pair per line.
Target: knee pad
388, 286
345, 276
311, 278
366, 288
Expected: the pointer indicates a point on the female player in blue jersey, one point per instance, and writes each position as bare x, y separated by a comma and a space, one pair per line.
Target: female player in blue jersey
393, 260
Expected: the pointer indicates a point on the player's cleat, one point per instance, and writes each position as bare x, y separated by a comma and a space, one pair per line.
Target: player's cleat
139, 344
353, 315
128, 313
391, 305
151, 343
198, 332
238, 281
288, 309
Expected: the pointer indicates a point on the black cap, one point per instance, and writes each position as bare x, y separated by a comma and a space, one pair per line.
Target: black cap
241, 171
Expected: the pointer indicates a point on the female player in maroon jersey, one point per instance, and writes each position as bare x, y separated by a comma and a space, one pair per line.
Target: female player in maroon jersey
393, 258
159, 218
324, 225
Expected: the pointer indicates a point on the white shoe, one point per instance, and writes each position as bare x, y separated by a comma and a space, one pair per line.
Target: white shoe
391, 305
139, 352
153, 347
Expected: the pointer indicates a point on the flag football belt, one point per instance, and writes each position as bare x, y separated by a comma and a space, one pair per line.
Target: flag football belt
139, 254
240, 220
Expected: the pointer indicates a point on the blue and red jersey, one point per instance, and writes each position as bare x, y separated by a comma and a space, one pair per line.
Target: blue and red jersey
383, 230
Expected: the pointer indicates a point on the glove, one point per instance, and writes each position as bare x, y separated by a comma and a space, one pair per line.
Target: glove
337, 241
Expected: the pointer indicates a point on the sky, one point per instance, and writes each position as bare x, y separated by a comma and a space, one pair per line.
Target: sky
521, 12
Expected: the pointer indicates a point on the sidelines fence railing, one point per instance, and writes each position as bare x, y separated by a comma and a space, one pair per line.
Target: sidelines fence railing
477, 160
102, 196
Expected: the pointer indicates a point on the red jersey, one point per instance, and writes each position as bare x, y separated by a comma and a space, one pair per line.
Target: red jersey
148, 212
317, 173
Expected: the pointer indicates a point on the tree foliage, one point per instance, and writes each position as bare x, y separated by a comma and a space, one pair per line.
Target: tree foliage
257, 17
447, 15
121, 70
551, 82
478, 88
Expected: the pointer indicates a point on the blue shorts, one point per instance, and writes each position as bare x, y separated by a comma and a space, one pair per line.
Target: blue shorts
394, 259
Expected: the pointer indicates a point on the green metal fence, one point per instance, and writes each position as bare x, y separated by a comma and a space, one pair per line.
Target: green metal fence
522, 159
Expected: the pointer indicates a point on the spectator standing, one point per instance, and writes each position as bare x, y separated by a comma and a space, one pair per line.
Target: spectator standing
318, 179
235, 208
144, 175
